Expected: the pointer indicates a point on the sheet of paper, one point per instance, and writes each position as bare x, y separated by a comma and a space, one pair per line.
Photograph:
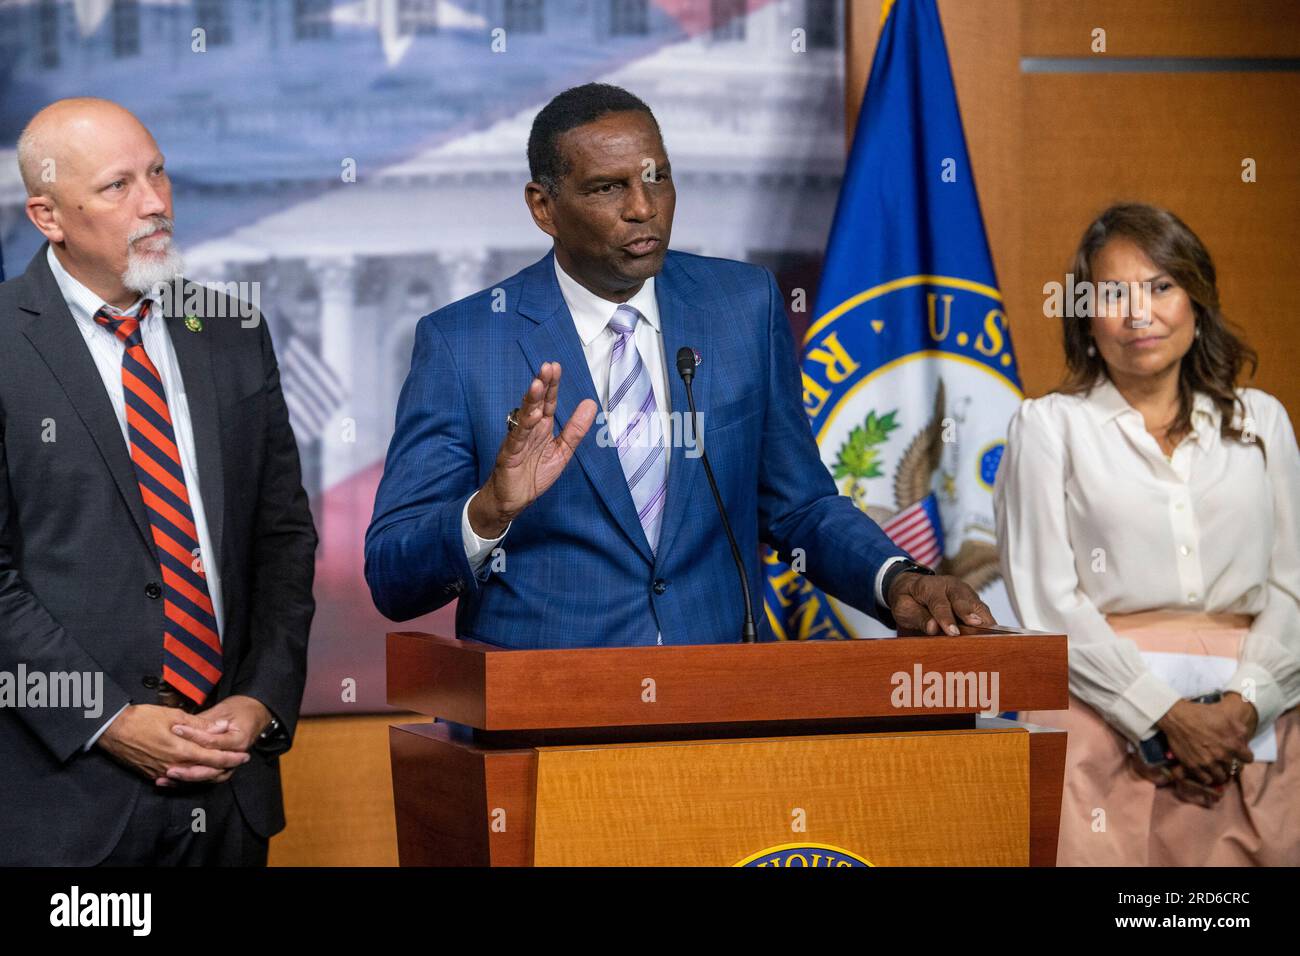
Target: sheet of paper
1195, 674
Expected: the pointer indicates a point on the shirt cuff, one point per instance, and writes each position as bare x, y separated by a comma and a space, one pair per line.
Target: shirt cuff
476, 549
1256, 685
880, 579
100, 732
1135, 712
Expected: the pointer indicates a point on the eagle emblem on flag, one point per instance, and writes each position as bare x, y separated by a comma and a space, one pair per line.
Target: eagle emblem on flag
914, 522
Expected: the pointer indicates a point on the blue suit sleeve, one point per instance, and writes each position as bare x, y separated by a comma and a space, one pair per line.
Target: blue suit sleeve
415, 556
799, 506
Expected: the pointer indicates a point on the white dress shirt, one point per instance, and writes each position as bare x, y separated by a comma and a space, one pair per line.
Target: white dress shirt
591, 315
1093, 519
107, 351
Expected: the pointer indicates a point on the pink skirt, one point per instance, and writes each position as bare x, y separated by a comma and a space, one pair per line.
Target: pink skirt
1112, 816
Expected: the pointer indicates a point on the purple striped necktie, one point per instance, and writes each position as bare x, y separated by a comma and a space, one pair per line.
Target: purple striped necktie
191, 646
635, 425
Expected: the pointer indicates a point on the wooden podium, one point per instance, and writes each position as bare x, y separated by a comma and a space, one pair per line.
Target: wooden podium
791, 753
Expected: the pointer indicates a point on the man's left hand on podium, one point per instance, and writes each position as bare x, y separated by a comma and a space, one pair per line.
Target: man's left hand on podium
935, 603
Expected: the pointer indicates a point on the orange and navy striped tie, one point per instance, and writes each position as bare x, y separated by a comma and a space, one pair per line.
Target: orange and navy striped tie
191, 645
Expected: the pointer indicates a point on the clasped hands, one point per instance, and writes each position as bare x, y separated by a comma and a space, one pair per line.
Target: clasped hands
170, 746
1208, 741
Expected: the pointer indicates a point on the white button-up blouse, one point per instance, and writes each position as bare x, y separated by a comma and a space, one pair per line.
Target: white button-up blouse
1094, 520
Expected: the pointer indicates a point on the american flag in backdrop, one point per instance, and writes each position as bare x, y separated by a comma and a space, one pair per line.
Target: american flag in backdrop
918, 531
312, 390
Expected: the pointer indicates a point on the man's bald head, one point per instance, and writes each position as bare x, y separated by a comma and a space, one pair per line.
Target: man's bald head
97, 190
65, 134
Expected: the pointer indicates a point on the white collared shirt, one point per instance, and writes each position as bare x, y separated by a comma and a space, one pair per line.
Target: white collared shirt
1093, 519
591, 315
107, 350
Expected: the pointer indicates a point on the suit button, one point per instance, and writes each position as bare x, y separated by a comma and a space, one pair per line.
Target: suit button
149, 681
152, 590
660, 586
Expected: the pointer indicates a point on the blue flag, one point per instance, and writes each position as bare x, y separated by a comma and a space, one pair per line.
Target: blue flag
908, 373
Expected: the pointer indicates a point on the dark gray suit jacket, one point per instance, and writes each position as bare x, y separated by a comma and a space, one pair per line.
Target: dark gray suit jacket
79, 569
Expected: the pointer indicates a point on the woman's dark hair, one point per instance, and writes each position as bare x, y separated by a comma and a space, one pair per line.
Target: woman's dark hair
1214, 362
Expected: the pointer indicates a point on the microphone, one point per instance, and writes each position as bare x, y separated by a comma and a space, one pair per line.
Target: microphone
686, 369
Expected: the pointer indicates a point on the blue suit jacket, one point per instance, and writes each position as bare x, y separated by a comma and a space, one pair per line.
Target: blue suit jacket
578, 569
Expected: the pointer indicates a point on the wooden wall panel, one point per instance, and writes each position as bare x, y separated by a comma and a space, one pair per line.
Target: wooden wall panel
338, 794
1050, 150
1177, 140
1195, 28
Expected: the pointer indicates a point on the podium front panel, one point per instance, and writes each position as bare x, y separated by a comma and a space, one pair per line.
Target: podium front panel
945, 798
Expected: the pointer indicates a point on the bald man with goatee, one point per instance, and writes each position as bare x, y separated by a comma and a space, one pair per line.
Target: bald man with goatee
156, 547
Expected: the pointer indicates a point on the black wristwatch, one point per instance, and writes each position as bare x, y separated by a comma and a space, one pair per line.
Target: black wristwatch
272, 729
906, 566
272, 737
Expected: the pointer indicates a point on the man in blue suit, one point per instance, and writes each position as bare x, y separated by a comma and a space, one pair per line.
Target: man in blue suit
479, 501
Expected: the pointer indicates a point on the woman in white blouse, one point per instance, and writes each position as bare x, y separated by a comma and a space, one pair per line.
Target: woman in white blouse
1150, 510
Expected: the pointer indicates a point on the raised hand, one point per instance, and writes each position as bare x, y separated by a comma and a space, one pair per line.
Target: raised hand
532, 456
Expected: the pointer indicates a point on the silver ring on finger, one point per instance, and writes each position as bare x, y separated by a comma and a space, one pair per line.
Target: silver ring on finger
512, 420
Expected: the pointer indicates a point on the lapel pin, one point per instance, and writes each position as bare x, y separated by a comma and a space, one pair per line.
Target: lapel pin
195, 324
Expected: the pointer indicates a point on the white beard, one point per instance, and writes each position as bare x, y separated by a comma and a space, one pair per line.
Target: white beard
145, 271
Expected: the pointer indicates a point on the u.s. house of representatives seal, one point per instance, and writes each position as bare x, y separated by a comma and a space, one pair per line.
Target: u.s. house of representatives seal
909, 387
804, 854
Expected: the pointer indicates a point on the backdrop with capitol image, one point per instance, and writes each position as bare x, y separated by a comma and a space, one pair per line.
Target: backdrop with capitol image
367, 166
